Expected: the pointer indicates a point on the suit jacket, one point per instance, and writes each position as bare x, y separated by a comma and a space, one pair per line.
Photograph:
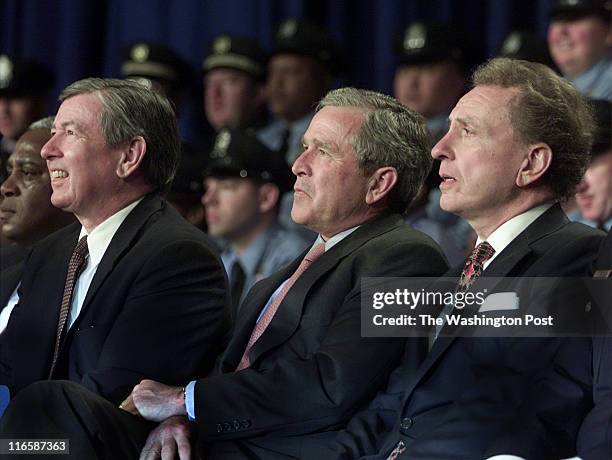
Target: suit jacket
157, 307
12, 262
311, 369
455, 405
595, 436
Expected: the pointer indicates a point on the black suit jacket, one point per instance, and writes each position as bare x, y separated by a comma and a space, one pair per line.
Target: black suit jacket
595, 436
156, 308
311, 369
455, 405
12, 262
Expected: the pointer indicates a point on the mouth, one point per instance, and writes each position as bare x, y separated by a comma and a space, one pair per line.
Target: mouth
58, 174
297, 191
447, 180
6, 214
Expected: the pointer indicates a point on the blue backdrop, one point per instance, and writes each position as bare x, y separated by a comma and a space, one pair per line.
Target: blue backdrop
81, 38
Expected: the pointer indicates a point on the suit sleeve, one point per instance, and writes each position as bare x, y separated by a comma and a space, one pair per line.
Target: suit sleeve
175, 316
322, 390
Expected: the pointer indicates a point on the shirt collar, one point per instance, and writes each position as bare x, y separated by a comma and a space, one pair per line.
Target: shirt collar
586, 81
509, 230
334, 240
251, 257
100, 237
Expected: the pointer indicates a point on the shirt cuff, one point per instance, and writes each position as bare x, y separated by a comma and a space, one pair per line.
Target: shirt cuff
190, 401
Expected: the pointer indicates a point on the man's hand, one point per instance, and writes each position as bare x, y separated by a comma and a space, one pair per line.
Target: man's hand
169, 437
155, 401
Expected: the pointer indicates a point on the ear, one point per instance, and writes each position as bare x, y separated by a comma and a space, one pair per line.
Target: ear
534, 165
131, 157
267, 196
380, 184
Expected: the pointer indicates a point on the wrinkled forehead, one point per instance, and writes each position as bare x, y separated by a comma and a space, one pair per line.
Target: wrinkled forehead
30, 143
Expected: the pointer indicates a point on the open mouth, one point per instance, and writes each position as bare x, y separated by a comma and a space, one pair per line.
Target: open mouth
447, 180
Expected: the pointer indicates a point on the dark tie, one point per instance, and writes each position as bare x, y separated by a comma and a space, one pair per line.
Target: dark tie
77, 261
316, 252
474, 265
284, 146
237, 278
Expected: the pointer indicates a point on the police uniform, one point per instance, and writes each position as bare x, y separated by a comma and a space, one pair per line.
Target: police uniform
238, 153
306, 39
595, 82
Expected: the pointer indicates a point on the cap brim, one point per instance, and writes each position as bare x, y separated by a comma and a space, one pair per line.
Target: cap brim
233, 61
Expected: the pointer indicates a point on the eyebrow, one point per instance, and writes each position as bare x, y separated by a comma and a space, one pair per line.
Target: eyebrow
465, 121
319, 144
65, 124
23, 162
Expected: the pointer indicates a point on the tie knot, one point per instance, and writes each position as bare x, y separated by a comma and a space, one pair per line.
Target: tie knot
81, 248
482, 253
316, 252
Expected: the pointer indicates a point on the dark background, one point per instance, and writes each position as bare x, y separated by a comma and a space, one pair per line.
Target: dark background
81, 38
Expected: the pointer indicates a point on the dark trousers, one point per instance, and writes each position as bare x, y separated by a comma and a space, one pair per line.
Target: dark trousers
95, 427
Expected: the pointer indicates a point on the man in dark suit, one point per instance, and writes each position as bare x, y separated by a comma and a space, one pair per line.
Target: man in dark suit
150, 300
296, 366
26, 212
504, 178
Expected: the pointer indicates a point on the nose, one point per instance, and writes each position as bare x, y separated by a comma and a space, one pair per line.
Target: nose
49, 150
8, 187
443, 149
209, 195
301, 166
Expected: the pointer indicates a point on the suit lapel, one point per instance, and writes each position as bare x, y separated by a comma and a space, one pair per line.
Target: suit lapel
507, 263
287, 318
122, 240
250, 310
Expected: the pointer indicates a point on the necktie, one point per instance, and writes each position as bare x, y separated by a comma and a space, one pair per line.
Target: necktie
76, 264
400, 448
266, 318
237, 278
284, 145
474, 265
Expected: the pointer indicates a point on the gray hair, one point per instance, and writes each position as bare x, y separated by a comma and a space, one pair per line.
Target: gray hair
549, 109
43, 123
391, 135
130, 110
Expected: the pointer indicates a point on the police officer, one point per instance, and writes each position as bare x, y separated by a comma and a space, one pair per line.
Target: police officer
579, 38
300, 72
244, 183
234, 73
24, 87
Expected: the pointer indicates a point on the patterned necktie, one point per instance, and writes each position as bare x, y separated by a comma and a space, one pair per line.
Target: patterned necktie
76, 264
266, 318
474, 265
400, 448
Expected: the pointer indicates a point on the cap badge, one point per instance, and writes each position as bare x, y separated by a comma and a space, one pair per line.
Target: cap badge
140, 52
415, 37
6, 71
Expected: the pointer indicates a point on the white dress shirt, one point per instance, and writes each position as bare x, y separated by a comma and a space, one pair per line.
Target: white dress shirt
97, 244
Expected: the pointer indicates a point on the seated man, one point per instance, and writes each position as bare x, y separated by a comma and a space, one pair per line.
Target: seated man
504, 171
26, 212
98, 297
296, 366
244, 183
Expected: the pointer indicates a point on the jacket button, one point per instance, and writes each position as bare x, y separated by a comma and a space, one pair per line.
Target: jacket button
406, 424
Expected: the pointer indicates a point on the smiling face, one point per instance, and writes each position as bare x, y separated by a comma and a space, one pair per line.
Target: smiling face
26, 212
82, 166
578, 44
594, 197
330, 190
479, 157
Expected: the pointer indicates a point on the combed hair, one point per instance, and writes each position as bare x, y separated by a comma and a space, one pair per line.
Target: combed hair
391, 135
550, 110
43, 123
130, 110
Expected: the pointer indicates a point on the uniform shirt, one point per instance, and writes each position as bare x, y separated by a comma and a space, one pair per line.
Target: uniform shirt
268, 253
272, 135
596, 82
